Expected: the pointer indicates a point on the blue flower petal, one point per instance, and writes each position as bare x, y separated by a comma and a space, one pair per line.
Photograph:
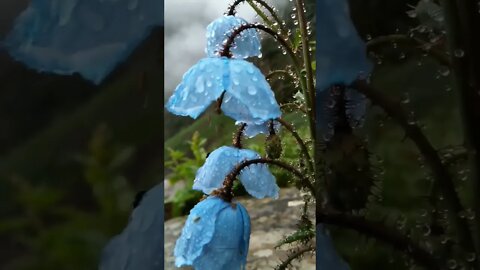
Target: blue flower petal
327, 256
247, 44
249, 90
340, 52
201, 85
227, 247
214, 237
253, 129
246, 232
143, 233
88, 37
198, 230
257, 179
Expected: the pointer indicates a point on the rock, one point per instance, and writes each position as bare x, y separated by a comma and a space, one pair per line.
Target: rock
271, 220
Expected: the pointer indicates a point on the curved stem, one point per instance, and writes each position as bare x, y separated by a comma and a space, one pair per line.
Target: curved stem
279, 72
231, 10
300, 141
439, 171
293, 106
226, 191
296, 254
378, 231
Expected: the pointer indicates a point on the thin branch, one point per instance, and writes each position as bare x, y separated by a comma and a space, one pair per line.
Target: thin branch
237, 136
378, 231
231, 10
432, 159
279, 72
307, 59
417, 43
300, 141
293, 106
296, 254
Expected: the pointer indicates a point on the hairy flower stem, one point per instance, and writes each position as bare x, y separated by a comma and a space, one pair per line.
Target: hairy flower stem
462, 20
295, 255
416, 43
237, 137
300, 142
226, 53
232, 11
378, 231
432, 159
307, 59
226, 192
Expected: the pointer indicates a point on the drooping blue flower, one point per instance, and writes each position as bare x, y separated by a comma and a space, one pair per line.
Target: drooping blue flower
327, 256
248, 97
216, 236
140, 245
246, 44
340, 52
86, 37
256, 178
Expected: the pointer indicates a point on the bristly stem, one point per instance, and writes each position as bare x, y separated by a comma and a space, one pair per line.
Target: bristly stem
378, 231
307, 59
296, 254
226, 192
461, 20
432, 159
231, 10
237, 137
441, 57
300, 142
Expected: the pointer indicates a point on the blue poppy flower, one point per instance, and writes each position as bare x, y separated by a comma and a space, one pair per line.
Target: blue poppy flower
216, 236
340, 52
257, 179
327, 257
246, 44
140, 245
87, 37
248, 97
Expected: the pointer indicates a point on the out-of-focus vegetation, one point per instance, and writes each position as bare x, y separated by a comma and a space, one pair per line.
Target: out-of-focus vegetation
73, 156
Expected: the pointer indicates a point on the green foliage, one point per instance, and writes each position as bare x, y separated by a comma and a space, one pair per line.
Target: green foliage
183, 169
54, 230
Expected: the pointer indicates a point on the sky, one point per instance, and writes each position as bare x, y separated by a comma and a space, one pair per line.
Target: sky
185, 27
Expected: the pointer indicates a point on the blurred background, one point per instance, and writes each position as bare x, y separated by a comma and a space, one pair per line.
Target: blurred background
74, 154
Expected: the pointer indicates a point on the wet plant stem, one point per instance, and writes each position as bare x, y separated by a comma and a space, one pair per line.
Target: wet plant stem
300, 142
380, 232
307, 59
429, 153
462, 20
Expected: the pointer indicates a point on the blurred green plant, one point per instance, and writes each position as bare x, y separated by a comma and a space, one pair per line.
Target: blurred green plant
54, 231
